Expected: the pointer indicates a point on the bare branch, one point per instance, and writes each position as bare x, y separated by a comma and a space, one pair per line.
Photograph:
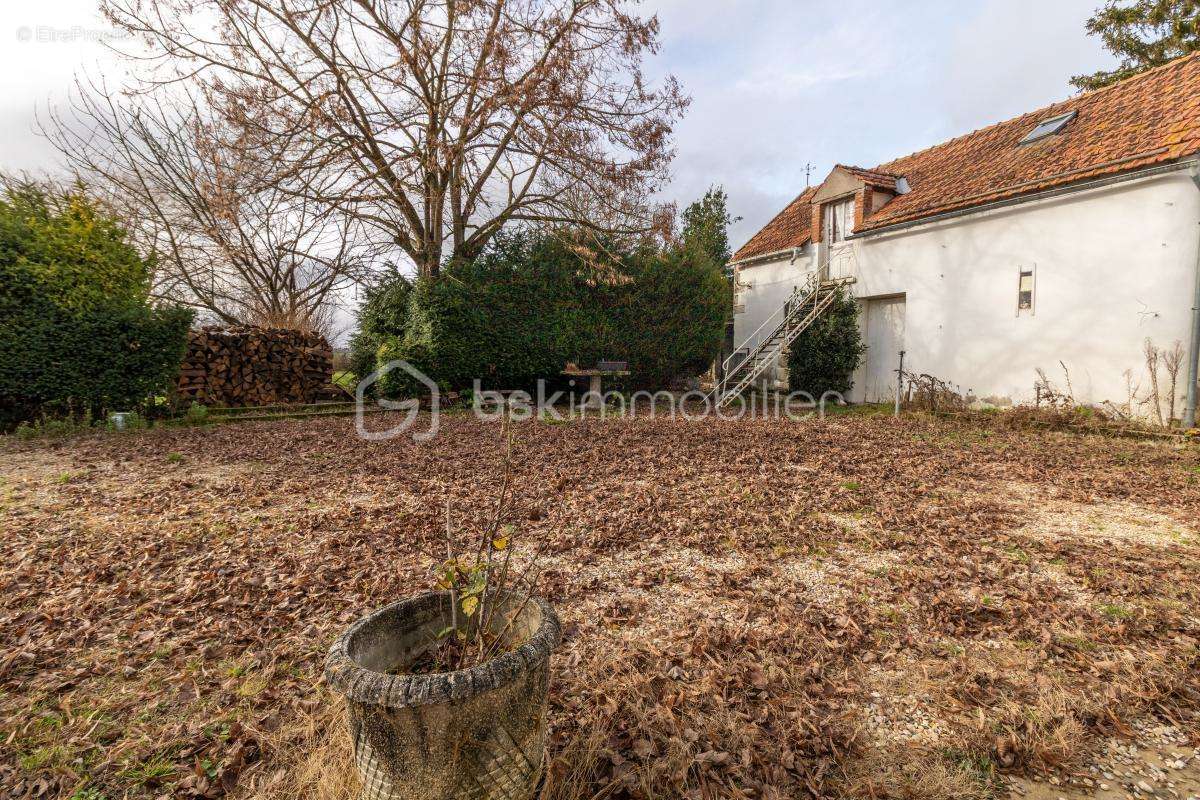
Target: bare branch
433, 122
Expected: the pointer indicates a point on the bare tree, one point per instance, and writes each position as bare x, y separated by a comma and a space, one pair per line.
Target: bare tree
1155, 397
228, 232
436, 121
1173, 362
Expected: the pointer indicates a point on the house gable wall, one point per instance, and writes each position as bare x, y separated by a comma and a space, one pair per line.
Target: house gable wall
1113, 266
839, 184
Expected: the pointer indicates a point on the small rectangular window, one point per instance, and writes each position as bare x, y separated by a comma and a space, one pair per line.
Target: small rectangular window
1025, 291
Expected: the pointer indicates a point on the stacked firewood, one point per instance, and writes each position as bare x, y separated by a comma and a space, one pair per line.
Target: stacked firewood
252, 366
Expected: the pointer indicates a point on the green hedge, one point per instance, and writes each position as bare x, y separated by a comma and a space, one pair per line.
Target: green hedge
383, 315
673, 322
533, 303
77, 334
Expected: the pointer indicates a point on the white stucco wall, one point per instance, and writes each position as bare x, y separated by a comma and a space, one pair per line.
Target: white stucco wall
765, 287
1113, 266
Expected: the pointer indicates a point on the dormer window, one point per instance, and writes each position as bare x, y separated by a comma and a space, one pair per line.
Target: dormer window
1048, 127
839, 220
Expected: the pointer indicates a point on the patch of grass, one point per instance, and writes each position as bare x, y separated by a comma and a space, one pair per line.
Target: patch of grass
235, 670
49, 721
88, 793
222, 530
150, 772
174, 458
852, 486
910, 774
1115, 611
949, 648
48, 757
1017, 554
253, 686
47, 428
318, 756
197, 414
1078, 643
978, 766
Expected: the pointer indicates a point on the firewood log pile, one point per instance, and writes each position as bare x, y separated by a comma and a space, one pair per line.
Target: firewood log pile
252, 366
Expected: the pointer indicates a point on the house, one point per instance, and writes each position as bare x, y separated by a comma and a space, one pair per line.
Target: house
1066, 236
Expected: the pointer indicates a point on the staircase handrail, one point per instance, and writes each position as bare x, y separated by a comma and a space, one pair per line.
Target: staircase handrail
745, 345
819, 305
811, 284
793, 307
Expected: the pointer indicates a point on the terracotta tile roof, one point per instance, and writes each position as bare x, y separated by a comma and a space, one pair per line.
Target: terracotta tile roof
873, 177
1151, 118
790, 228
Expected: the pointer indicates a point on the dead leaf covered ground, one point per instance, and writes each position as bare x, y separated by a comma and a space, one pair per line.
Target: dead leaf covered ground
855, 607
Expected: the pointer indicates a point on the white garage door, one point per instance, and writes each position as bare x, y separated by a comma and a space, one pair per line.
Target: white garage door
883, 334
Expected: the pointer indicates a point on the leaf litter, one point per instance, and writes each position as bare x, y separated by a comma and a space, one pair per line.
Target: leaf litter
856, 607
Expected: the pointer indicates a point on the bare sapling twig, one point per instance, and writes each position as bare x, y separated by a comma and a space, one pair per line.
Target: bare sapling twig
487, 594
528, 582
449, 557
1049, 394
1125, 411
1070, 388
1173, 363
932, 393
491, 535
1155, 399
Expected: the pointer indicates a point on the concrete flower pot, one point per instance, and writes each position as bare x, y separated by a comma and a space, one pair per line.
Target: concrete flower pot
477, 733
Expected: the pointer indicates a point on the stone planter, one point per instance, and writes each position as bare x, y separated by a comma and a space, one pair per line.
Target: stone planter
477, 733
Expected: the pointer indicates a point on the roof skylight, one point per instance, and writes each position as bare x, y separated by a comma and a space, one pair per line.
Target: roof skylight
1048, 127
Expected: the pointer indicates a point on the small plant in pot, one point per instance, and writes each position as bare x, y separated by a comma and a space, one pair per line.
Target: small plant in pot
446, 691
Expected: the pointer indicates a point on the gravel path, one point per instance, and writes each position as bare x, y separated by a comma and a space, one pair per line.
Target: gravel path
1156, 762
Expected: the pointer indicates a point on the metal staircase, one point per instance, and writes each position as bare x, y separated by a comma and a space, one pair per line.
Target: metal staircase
761, 349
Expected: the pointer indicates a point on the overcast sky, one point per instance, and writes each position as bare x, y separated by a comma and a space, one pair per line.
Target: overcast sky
776, 84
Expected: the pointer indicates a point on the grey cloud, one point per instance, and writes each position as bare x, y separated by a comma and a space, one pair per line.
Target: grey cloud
777, 85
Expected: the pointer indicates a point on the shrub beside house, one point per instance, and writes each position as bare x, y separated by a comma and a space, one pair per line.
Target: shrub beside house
824, 357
